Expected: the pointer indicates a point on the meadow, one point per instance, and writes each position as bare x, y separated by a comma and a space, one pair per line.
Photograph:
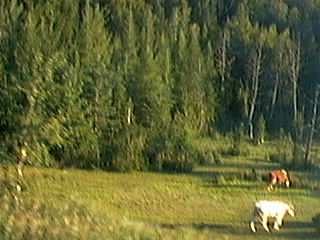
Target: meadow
214, 201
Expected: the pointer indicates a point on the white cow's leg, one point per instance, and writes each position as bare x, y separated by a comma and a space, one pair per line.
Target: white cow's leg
277, 223
255, 218
265, 223
252, 226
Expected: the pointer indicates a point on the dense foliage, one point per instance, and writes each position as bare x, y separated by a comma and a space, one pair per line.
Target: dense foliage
126, 85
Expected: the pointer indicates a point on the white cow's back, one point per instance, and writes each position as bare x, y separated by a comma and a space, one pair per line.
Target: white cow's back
272, 208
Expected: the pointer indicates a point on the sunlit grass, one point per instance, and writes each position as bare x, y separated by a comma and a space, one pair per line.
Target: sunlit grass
174, 206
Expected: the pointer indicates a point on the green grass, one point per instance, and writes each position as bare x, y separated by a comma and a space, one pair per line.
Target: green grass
174, 206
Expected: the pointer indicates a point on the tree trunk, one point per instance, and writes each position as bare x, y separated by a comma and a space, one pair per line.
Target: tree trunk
274, 95
277, 82
294, 76
222, 62
256, 71
95, 114
313, 123
222, 56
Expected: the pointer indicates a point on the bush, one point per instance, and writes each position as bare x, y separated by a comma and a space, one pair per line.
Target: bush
260, 130
238, 143
170, 151
124, 152
38, 155
209, 157
290, 155
239, 149
178, 166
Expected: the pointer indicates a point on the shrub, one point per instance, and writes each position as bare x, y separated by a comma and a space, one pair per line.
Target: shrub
239, 148
298, 157
178, 166
285, 152
239, 144
38, 155
259, 137
124, 152
209, 157
170, 151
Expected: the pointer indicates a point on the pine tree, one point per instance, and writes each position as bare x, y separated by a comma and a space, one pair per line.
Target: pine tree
54, 126
95, 53
12, 98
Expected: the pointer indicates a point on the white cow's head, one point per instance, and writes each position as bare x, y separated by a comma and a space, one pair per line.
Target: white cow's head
291, 210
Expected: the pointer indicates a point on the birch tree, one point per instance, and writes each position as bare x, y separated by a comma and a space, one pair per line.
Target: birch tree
256, 68
223, 63
293, 73
307, 162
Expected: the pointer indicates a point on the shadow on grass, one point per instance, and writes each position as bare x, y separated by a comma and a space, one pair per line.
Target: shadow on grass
298, 235
233, 170
260, 166
199, 226
202, 226
298, 232
205, 174
290, 230
286, 235
298, 225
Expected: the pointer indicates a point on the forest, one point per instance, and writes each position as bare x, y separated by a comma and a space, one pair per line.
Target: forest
127, 85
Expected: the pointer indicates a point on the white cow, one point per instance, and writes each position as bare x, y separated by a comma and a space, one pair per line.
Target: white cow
270, 209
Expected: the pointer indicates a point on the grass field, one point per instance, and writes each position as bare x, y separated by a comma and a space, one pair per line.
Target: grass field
199, 205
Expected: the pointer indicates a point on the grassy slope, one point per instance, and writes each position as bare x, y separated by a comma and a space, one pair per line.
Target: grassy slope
178, 206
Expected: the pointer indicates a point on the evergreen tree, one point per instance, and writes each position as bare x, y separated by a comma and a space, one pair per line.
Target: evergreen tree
122, 84
12, 97
95, 54
54, 126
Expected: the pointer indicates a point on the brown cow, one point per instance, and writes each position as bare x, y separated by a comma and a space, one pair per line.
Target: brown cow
278, 176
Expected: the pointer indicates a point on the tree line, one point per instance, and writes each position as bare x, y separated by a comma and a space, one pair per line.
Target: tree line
126, 85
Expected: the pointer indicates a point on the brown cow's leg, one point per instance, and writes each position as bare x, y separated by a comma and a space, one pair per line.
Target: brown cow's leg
272, 181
